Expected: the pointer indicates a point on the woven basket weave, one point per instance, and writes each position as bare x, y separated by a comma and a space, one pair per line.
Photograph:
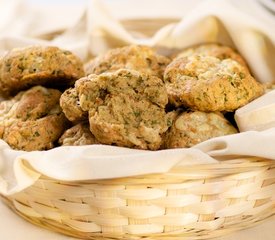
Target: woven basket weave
196, 202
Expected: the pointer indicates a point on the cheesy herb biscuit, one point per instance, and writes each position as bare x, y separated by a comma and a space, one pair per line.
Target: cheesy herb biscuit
126, 108
32, 120
191, 128
209, 84
26, 67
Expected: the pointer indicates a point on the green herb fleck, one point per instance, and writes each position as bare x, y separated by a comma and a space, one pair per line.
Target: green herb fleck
154, 122
242, 75
137, 113
36, 134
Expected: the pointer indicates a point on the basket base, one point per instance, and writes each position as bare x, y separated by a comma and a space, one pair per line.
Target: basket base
192, 235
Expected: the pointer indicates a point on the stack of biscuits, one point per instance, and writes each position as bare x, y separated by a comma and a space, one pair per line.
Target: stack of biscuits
130, 97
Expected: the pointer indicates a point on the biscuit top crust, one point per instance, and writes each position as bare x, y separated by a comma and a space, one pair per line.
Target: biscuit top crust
191, 128
207, 83
93, 89
36, 103
32, 120
37, 65
214, 50
136, 57
32, 104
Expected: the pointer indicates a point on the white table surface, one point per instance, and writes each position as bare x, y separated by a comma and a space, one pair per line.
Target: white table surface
15, 228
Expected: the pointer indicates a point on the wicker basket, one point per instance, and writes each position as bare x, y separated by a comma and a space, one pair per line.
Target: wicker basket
195, 202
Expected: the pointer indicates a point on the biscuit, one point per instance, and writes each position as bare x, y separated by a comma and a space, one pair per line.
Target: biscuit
126, 108
78, 135
69, 103
214, 50
32, 120
191, 128
25, 67
209, 84
139, 58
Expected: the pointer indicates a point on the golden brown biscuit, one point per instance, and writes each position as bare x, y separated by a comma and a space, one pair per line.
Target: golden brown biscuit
25, 67
77, 135
139, 58
191, 128
125, 107
209, 84
32, 120
69, 103
214, 50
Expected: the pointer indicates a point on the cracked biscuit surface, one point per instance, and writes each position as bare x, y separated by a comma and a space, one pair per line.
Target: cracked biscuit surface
32, 120
126, 108
214, 50
36, 65
191, 128
136, 57
78, 135
206, 83
139, 58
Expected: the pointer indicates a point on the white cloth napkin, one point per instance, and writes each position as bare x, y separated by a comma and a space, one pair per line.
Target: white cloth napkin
19, 169
258, 114
92, 29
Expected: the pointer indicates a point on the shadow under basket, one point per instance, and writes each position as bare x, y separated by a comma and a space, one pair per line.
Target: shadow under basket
191, 202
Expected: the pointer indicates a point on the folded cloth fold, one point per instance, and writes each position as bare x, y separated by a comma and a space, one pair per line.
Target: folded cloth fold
19, 169
251, 143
